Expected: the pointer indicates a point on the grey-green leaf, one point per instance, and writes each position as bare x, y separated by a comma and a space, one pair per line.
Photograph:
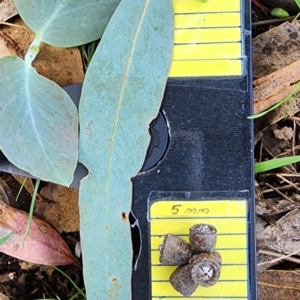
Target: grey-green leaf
67, 23
39, 123
121, 94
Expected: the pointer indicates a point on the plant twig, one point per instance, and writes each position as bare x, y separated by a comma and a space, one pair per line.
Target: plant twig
289, 182
271, 253
279, 258
278, 286
11, 24
285, 187
273, 21
281, 194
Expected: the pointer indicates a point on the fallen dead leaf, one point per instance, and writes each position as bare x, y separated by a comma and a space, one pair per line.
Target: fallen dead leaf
3, 297
272, 145
6, 195
282, 237
7, 46
43, 244
7, 10
285, 133
280, 284
275, 49
273, 88
25, 265
63, 66
271, 207
289, 108
60, 208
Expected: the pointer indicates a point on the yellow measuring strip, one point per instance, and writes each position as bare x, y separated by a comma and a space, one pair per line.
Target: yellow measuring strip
230, 219
207, 38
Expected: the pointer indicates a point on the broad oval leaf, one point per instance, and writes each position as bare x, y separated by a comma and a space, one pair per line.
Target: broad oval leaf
43, 244
122, 93
279, 13
39, 123
67, 23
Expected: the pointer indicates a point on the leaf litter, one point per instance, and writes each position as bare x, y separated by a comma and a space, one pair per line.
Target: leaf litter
7, 10
276, 62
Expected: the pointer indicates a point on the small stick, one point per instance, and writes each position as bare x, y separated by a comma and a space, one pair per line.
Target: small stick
279, 188
271, 253
281, 194
287, 181
279, 258
11, 24
278, 286
273, 21
290, 175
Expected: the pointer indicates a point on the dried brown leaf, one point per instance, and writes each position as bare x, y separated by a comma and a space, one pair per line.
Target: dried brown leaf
272, 145
60, 208
273, 88
43, 244
280, 284
5, 193
285, 133
282, 237
7, 10
3, 297
275, 49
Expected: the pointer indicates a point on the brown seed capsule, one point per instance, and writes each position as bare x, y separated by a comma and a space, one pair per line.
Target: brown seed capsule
174, 251
182, 281
202, 238
206, 268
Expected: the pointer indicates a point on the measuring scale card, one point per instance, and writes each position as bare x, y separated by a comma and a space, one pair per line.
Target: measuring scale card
207, 38
207, 100
230, 219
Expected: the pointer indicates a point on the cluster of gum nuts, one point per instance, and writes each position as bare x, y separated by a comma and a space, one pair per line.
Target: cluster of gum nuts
198, 263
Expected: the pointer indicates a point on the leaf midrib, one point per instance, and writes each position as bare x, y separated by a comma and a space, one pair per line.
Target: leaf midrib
117, 119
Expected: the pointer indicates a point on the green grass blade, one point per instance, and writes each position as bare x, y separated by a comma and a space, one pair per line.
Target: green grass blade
5, 238
298, 3
73, 283
275, 163
295, 91
76, 295
21, 188
36, 186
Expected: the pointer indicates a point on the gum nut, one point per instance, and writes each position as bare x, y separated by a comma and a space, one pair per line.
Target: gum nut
203, 238
182, 281
174, 251
206, 268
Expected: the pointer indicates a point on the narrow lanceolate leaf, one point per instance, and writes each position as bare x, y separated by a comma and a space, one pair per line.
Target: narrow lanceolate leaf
38, 123
122, 93
67, 23
275, 163
43, 244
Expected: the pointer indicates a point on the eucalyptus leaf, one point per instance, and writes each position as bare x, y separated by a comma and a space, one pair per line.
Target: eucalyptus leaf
39, 123
67, 23
122, 93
